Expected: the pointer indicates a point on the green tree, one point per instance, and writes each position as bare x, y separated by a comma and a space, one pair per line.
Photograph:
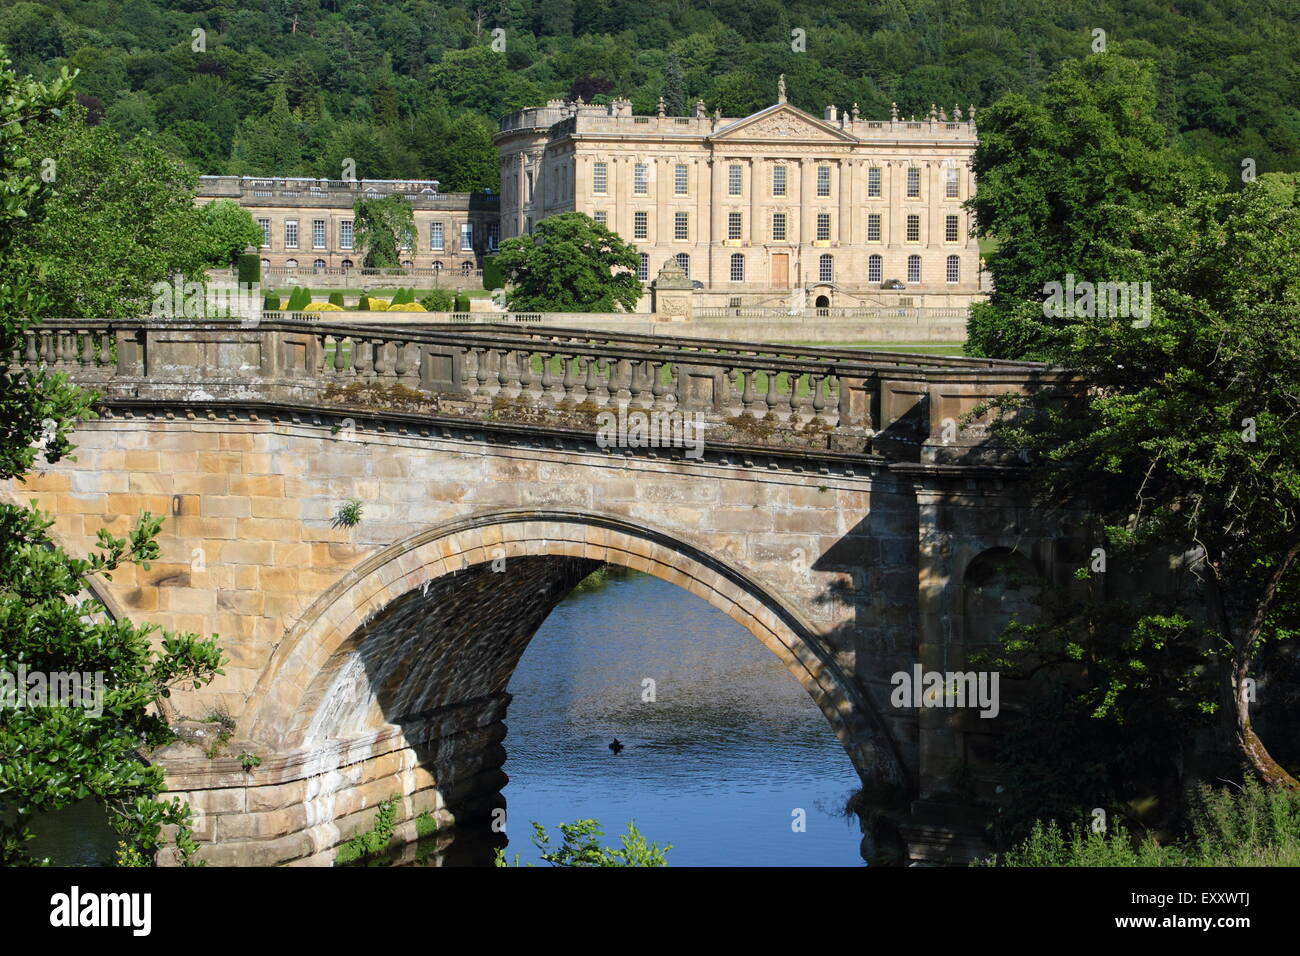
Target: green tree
381, 225
475, 79
52, 757
570, 263
120, 218
228, 230
1057, 181
673, 90
1183, 444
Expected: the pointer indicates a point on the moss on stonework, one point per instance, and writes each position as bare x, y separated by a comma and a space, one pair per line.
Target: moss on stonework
374, 395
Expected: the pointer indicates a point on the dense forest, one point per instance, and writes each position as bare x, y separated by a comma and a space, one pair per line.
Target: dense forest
414, 88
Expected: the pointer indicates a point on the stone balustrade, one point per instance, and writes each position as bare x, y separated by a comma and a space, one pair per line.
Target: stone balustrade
842, 400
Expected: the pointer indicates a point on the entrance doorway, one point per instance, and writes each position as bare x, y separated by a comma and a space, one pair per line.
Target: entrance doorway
823, 302
781, 270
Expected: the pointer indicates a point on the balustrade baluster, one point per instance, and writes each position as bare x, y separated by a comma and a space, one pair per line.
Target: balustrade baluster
772, 398
31, 356
570, 380
87, 349
399, 360
548, 379
379, 364
818, 399
638, 385
747, 396
658, 388
526, 377
503, 371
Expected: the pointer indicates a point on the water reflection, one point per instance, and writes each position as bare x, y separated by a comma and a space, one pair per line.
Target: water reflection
717, 764
722, 745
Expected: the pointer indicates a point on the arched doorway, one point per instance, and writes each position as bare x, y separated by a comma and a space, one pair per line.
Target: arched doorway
822, 302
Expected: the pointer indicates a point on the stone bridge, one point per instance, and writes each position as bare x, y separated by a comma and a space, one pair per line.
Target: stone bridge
841, 508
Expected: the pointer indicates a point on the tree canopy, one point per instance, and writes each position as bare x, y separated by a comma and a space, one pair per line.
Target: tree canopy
382, 224
570, 263
1177, 441
290, 89
58, 751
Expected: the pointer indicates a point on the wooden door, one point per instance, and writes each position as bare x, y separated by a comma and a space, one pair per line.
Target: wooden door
780, 270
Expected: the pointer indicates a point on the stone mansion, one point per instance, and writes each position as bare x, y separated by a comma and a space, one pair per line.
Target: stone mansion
780, 209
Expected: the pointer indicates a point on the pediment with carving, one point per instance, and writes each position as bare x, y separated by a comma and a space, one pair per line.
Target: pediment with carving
786, 124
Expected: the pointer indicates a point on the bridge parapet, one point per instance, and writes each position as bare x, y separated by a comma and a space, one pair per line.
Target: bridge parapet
880, 404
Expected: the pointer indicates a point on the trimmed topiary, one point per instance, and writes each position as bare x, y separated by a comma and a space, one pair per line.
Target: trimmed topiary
336, 298
271, 303
299, 299
248, 268
493, 278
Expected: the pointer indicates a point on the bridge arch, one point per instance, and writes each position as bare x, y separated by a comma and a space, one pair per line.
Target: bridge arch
309, 695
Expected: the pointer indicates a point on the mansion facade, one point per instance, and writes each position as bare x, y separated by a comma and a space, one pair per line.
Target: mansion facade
776, 209
307, 224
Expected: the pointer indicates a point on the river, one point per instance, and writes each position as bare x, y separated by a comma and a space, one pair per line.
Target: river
719, 764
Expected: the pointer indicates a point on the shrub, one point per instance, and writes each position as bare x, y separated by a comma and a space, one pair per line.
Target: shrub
336, 298
1252, 825
493, 277
403, 296
378, 305
248, 268
299, 299
407, 307
439, 300
271, 303
462, 302
323, 307
363, 302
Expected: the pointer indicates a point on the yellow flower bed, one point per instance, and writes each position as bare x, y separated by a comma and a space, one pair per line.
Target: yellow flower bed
408, 307
378, 305
322, 307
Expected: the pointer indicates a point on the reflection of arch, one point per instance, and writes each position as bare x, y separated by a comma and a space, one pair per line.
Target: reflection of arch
321, 651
